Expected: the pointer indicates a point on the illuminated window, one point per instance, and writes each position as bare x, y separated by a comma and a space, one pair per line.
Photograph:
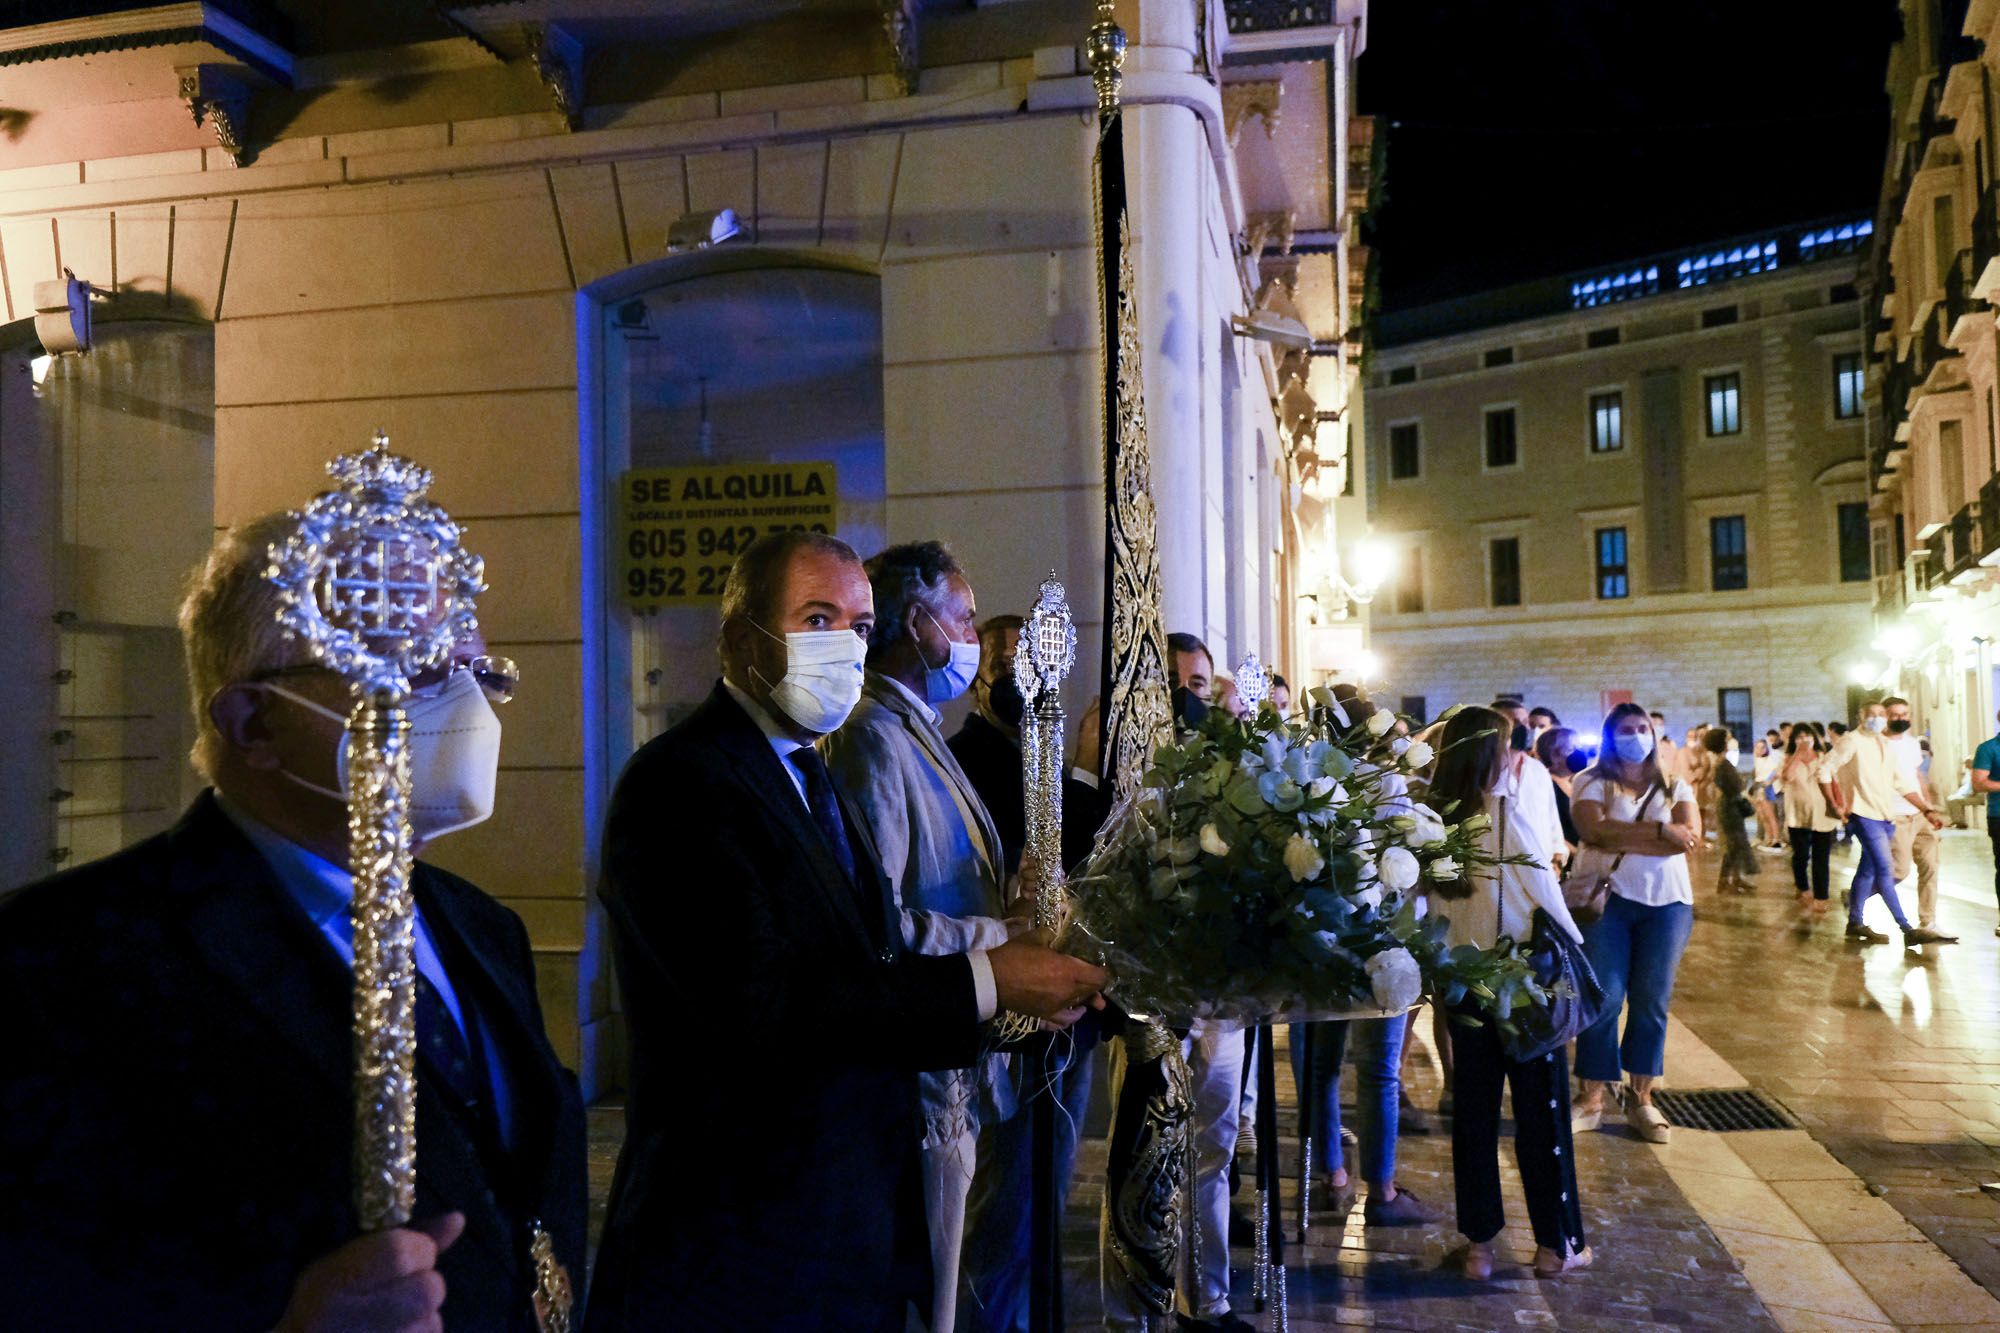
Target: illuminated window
1607, 422
1725, 403
1847, 385
1613, 573
1728, 554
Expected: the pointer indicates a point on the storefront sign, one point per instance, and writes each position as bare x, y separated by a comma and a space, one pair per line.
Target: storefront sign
681, 528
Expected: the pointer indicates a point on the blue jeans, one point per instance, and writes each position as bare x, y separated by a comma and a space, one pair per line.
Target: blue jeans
1378, 1060
1876, 873
1634, 949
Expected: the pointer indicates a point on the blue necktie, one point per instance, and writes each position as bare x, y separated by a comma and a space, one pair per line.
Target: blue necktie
825, 807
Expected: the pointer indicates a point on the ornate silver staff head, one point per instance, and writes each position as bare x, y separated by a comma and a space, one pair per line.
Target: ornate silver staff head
373, 580
1048, 643
1253, 682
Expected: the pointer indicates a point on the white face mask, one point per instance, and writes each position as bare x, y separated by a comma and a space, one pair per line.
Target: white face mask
454, 756
1876, 724
822, 680
945, 683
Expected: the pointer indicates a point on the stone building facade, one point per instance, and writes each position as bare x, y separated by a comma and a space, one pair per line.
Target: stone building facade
308, 222
1644, 483
1934, 446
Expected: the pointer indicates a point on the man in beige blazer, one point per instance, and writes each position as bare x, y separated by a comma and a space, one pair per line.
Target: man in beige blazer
937, 843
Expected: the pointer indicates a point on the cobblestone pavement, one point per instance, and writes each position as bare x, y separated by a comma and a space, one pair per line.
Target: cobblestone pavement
1657, 1265
1890, 1058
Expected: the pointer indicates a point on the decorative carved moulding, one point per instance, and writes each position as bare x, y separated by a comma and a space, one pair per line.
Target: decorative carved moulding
559, 61
1263, 230
1252, 97
219, 101
899, 26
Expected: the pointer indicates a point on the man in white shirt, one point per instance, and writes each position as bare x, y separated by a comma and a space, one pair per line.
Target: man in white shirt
1869, 795
1916, 828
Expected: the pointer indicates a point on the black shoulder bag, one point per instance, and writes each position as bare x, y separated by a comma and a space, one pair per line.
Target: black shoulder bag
1559, 967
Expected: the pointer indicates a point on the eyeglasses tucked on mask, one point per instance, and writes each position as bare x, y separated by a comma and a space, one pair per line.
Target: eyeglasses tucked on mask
497, 677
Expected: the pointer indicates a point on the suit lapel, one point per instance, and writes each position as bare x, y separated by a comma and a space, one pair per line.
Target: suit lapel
759, 769
931, 741
249, 933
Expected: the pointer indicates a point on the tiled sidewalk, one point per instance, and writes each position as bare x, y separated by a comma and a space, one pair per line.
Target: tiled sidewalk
1889, 1058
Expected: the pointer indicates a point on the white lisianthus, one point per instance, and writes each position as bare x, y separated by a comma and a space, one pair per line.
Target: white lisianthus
1397, 868
1302, 858
1426, 832
1370, 897
1380, 721
1395, 979
1211, 841
1444, 868
1419, 755
1329, 788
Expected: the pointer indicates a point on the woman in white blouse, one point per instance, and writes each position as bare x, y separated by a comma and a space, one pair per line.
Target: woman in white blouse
1477, 773
1637, 826
1808, 818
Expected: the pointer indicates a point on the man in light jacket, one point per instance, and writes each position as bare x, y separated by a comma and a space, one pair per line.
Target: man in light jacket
938, 845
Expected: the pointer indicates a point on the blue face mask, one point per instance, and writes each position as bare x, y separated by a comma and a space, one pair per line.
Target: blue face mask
1633, 747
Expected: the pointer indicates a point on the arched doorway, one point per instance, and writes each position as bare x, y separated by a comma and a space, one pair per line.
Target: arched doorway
736, 392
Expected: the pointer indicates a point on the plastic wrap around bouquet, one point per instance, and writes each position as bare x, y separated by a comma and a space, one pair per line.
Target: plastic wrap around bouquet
1272, 870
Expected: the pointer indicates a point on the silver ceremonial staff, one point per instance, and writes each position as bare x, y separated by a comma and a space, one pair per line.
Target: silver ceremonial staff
375, 586
1046, 653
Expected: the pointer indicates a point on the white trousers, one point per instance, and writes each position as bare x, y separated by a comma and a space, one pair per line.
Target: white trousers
947, 1181
1215, 1069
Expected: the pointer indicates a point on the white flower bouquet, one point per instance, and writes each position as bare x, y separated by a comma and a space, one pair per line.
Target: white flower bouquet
1272, 870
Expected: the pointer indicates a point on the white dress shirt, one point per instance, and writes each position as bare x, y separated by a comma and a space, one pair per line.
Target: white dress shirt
1907, 753
784, 745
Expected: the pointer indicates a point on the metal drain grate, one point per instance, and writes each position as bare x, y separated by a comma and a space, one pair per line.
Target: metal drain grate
1723, 1109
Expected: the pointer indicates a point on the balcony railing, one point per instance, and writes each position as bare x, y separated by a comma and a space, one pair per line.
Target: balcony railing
1277, 15
1989, 517
1964, 547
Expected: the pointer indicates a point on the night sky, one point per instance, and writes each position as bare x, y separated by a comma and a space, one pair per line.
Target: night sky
1535, 137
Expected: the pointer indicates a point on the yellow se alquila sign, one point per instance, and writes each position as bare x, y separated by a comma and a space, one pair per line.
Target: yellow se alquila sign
681, 528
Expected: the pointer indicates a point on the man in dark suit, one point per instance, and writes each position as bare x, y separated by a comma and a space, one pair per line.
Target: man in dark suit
770, 1176
176, 1080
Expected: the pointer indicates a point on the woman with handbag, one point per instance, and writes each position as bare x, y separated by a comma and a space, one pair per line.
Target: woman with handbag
1631, 893
1732, 807
1478, 774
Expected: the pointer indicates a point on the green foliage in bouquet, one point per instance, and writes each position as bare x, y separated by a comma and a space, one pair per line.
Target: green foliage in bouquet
1275, 869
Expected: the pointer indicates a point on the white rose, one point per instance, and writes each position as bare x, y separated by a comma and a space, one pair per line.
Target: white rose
1211, 841
1400, 745
1380, 721
1370, 897
1419, 755
1397, 868
1395, 979
1451, 712
1444, 868
1302, 858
